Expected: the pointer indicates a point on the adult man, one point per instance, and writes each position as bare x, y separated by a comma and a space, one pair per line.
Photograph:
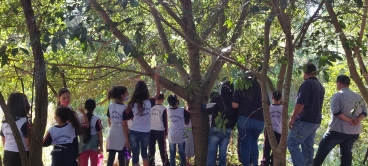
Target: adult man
306, 118
347, 110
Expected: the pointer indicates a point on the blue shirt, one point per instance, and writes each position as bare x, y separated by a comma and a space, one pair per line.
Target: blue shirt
311, 94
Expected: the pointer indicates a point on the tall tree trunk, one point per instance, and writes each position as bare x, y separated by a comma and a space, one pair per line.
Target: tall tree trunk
38, 128
13, 126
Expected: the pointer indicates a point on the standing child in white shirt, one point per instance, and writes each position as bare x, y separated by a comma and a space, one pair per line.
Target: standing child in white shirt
118, 133
276, 119
19, 108
178, 117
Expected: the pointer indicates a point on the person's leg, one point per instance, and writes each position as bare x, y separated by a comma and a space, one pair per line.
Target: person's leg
256, 129
134, 145
266, 151
93, 157
83, 158
145, 138
296, 137
307, 145
224, 142
329, 141
244, 139
121, 158
345, 150
12, 158
172, 153
111, 158
152, 148
182, 153
213, 140
160, 136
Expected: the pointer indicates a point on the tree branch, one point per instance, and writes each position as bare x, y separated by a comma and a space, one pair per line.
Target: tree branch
161, 31
170, 12
220, 11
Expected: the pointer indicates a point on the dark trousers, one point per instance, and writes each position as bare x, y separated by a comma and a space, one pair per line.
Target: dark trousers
160, 137
330, 140
12, 158
267, 154
111, 158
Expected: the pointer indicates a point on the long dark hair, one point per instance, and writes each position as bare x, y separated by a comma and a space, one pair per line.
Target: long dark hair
116, 91
66, 114
61, 92
90, 106
139, 95
19, 106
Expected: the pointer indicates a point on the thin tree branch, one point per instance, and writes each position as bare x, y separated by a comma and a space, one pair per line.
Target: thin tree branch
170, 12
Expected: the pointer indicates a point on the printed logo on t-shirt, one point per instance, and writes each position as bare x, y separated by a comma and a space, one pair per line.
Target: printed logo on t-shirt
116, 115
175, 118
62, 139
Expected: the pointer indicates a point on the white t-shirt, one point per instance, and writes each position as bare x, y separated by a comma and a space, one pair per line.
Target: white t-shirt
176, 129
95, 124
276, 117
10, 144
61, 134
157, 122
115, 112
142, 123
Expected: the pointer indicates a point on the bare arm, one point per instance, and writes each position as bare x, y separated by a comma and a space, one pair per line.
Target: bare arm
85, 119
101, 141
345, 118
235, 105
26, 142
126, 133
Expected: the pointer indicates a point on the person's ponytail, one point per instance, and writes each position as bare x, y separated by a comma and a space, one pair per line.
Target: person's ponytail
74, 121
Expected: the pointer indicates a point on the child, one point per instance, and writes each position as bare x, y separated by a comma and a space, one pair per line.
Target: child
189, 142
158, 131
139, 109
178, 116
19, 108
118, 134
91, 142
64, 101
63, 136
276, 119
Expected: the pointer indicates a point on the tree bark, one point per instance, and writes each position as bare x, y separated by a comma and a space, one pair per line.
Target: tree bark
39, 125
13, 126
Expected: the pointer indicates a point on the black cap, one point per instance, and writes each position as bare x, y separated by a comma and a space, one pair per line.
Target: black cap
343, 79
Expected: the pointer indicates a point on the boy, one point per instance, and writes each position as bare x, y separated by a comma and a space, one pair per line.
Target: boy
178, 116
158, 131
276, 119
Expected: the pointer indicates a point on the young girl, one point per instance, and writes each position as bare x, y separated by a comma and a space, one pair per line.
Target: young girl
91, 142
139, 108
118, 134
19, 108
64, 101
63, 136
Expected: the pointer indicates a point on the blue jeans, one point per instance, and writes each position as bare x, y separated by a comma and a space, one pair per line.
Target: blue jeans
302, 134
139, 142
249, 131
217, 139
330, 140
181, 153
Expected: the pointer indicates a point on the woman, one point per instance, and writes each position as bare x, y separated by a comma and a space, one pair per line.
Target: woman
248, 101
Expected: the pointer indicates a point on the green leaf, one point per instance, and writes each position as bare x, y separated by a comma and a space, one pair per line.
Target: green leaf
138, 37
62, 41
124, 4
14, 51
70, 8
110, 11
326, 76
15, 10
134, 3
54, 70
24, 51
331, 58
84, 47
254, 9
54, 45
83, 32
342, 24
46, 37
117, 47
359, 3
91, 45
128, 20
127, 49
229, 23
4, 59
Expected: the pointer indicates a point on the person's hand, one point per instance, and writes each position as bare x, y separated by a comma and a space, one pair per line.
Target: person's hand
100, 151
81, 110
291, 123
356, 121
351, 121
127, 144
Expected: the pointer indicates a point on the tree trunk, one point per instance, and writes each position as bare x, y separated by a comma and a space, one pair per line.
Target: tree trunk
38, 128
13, 126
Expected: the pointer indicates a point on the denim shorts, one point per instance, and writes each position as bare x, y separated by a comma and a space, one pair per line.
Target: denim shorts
139, 141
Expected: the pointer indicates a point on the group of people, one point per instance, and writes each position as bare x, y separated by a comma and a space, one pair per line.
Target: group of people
136, 126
